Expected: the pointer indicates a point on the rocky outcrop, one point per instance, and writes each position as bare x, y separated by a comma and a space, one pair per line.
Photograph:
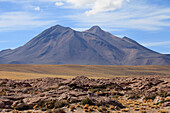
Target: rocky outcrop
26, 94
86, 83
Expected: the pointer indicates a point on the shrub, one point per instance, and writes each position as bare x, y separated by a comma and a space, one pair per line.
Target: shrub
86, 101
60, 84
15, 111
125, 110
2, 84
150, 97
12, 85
86, 106
52, 104
163, 111
78, 105
163, 94
143, 111
134, 96
111, 107
85, 110
72, 107
163, 101
59, 111
136, 109
25, 107
102, 109
73, 101
90, 109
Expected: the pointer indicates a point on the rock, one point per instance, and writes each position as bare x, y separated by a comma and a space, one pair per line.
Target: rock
24, 94
44, 82
86, 83
6, 110
90, 94
2, 104
15, 103
63, 87
157, 99
7, 103
30, 102
166, 104
63, 96
107, 101
153, 89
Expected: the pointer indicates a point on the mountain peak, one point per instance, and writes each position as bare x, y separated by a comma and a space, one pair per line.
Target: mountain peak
59, 27
95, 28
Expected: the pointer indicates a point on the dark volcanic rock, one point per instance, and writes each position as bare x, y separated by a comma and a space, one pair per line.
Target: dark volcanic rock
86, 83
44, 82
28, 93
107, 101
2, 104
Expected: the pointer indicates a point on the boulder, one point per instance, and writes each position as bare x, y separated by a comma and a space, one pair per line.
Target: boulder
2, 104
107, 101
157, 99
166, 104
63, 96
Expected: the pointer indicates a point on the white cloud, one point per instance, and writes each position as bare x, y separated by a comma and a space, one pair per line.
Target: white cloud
59, 3
156, 44
37, 8
80, 3
137, 14
133, 16
20, 21
105, 5
166, 53
97, 6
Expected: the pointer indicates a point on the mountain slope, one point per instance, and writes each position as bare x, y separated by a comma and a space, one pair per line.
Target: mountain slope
63, 45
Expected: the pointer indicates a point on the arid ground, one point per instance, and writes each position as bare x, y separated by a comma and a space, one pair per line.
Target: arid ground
102, 89
11, 71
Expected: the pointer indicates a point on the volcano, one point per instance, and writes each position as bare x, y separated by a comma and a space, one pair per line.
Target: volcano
63, 45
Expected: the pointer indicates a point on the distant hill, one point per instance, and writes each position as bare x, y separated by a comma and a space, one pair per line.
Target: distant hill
63, 45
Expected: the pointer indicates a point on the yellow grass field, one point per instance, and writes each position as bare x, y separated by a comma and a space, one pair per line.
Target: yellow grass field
19, 71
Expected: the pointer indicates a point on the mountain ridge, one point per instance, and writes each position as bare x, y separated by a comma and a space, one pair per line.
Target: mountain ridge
63, 45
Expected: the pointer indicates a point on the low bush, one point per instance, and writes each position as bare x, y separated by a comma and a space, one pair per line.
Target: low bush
59, 111
152, 97
163, 101
163, 94
86, 101
51, 104
134, 96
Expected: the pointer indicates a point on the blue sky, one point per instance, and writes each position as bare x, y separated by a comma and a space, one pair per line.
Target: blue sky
145, 21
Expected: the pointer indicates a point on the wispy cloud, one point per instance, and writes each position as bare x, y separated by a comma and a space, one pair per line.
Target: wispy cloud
157, 44
59, 3
166, 53
97, 6
113, 14
131, 16
3, 41
93, 6
21, 21
37, 8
